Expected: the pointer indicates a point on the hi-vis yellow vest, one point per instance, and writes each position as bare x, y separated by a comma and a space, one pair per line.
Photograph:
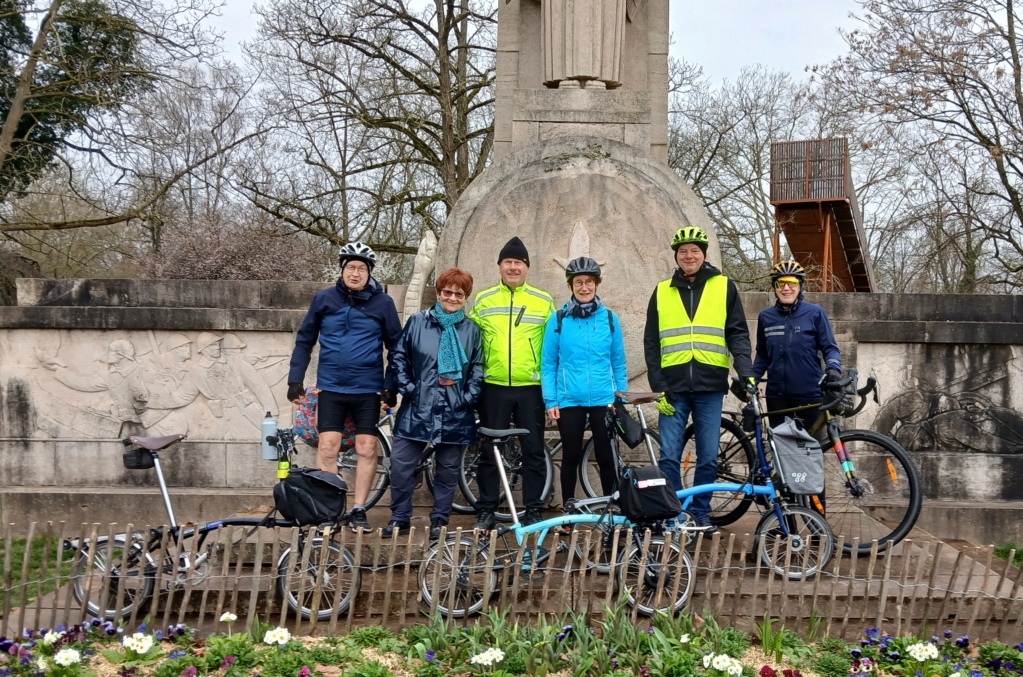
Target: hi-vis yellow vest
703, 337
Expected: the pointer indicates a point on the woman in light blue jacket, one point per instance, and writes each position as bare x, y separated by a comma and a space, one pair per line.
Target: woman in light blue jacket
582, 365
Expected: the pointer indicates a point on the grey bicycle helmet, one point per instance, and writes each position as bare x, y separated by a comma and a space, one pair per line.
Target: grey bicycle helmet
582, 265
358, 252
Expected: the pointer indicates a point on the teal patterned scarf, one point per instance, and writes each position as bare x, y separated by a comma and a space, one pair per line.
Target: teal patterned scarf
451, 355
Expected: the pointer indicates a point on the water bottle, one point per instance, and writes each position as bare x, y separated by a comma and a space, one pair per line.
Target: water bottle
268, 429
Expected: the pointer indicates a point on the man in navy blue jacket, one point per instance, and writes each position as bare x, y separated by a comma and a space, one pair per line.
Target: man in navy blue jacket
353, 321
793, 336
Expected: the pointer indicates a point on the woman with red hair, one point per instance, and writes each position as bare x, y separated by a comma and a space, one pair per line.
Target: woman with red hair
437, 367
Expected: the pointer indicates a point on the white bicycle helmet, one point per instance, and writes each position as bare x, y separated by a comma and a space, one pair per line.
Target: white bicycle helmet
359, 252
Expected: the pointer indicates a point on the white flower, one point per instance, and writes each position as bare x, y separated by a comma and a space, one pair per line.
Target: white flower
923, 651
735, 669
707, 659
721, 662
228, 617
139, 643
52, 637
488, 657
684, 639
42, 665
279, 636
954, 674
66, 657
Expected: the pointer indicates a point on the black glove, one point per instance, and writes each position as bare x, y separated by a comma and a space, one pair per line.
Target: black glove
295, 391
834, 375
389, 398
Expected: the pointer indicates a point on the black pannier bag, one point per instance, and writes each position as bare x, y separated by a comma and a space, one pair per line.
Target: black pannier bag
629, 430
310, 496
797, 455
645, 494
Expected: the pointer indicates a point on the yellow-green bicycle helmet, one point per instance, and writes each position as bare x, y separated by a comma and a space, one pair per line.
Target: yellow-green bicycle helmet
690, 235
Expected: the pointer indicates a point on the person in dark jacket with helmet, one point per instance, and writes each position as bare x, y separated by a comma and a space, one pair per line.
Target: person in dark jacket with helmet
582, 365
793, 339
353, 321
437, 367
694, 321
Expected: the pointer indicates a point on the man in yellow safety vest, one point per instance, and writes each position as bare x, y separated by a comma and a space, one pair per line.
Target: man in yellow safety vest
694, 320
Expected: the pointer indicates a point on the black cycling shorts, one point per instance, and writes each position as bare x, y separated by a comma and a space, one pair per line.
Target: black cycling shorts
333, 408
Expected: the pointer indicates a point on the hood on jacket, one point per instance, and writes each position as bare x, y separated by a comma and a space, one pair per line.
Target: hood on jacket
706, 272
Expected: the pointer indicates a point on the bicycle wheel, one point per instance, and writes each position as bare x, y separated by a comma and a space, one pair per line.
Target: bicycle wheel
512, 459
802, 553
333, 568
112, 568
669, 567
458, 588
883, 500
346, 463
589, 471
737, 459
601, 553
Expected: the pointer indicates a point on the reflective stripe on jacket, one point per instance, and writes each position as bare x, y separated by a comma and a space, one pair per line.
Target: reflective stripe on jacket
703, 337
512, 324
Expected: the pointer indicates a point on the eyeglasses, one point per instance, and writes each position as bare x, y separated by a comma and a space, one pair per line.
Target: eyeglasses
356, 268
792, 285
452, 294
579, 282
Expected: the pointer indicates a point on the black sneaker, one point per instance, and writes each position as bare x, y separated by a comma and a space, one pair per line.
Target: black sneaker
485, 521
532, 516
436, 524
706, 527
395, 528
358, 522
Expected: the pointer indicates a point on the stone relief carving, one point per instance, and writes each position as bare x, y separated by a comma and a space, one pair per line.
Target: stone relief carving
583, 42
207, 385
949, 397
424, 264
578, 245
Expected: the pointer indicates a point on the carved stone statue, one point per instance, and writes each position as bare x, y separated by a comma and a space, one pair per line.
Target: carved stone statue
583, 42
421, 269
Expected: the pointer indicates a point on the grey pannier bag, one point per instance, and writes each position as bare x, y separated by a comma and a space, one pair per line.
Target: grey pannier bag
798, 456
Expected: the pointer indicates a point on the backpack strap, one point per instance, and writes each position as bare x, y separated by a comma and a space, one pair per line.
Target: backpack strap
561, 318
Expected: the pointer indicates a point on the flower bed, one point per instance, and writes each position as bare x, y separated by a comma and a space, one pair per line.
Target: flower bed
500, 646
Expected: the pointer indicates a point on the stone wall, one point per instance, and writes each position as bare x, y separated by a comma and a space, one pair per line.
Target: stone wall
84, 362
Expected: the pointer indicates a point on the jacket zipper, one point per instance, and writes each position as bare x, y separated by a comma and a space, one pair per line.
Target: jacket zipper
692, 304
511, 328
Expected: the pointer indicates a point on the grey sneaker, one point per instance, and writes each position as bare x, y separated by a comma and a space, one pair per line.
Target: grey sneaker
436, 524
358, 522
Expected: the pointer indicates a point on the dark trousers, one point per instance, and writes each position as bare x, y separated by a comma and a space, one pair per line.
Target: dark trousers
571, 425
405, 457
499, 407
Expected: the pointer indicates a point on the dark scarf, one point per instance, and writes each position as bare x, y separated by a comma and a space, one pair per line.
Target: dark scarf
581, 311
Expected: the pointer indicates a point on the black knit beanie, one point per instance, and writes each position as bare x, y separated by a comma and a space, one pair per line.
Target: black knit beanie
514, 249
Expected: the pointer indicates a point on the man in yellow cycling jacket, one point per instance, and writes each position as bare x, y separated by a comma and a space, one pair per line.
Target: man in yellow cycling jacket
511, 317
694, 320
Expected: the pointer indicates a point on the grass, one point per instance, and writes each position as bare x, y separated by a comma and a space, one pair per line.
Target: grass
1002, 552
33, 585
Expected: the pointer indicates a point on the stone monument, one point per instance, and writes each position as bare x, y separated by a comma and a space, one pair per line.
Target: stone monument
580, 150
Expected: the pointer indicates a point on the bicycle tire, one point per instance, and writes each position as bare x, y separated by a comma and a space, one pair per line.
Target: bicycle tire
138, 581
661, 569
467, 479
336, 570
346, 463
589, 471
889, 488
737, 461
806, 550
601, 554
470, 578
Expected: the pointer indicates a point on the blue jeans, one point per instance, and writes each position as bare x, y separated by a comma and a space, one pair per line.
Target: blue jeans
405, 457
706, 411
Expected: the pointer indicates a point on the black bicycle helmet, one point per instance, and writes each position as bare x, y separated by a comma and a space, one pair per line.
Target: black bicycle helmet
582, 265
358, 252
788, 269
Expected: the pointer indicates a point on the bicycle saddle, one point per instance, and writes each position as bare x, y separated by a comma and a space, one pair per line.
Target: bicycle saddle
638, 398
156, 443
501, 435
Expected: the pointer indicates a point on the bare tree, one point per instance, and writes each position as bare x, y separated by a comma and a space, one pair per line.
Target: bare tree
388, 111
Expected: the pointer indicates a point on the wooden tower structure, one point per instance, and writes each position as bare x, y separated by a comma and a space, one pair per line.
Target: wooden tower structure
815, 208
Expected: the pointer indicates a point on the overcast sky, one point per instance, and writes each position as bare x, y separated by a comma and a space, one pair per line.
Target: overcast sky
720, 35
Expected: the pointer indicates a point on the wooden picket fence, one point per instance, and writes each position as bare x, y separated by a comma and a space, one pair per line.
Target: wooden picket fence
916, 587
